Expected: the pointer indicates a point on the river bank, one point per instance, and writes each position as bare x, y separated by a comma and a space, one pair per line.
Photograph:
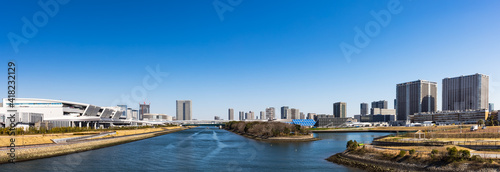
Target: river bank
377, 161
25, 153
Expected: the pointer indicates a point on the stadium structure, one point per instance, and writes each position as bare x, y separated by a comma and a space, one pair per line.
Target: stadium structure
58, 113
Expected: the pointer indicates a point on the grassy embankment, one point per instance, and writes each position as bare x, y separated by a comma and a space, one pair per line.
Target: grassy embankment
449, 158
454, 157
459, 135
23, 154
25, 138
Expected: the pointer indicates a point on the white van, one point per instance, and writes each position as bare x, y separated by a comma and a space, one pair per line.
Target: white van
474, 128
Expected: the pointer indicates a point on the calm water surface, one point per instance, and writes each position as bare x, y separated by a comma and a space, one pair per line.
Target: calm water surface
203, 149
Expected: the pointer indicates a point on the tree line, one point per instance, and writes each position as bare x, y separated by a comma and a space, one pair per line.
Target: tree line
266, 129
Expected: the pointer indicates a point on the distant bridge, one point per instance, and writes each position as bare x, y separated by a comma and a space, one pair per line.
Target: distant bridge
216, 123
204, 125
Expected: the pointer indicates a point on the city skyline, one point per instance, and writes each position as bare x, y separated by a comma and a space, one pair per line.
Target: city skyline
202, 64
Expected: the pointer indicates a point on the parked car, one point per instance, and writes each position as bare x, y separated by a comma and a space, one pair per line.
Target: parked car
474, 128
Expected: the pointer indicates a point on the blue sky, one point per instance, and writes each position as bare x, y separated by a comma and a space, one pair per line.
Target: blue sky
262, 54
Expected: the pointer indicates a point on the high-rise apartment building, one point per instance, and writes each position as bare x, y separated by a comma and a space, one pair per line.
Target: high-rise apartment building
492, 107
302, 115
262, 115
230, 114
184, 110
466, 92
340, 110
311, 115
382, 104
415, 97
270, 113
294, 113
250, 115
143, 109
285, 112
242, 115
363, 109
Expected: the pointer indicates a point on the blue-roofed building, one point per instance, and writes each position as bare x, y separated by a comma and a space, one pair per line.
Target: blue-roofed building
304, 122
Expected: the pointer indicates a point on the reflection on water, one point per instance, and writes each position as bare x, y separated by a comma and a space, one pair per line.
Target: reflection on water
204, 149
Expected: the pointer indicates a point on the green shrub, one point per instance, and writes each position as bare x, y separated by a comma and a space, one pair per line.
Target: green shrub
464, 154
349, 144
457, 155
476, 158
412, 151
402, 153
352, 145
434, 151
453, 151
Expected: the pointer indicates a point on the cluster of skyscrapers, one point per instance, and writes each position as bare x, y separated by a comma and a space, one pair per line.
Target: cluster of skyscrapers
464, 99
270, 114
264, 115
460, 95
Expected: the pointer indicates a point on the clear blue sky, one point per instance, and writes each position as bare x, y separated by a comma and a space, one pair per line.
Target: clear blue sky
262, 54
